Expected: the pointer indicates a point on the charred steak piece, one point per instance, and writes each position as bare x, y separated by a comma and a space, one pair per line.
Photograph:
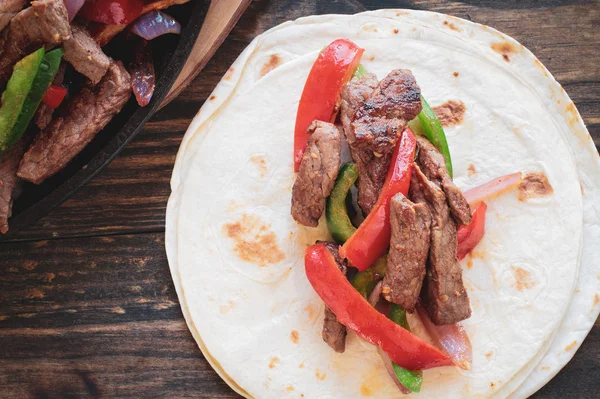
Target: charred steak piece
409, 247
45, 23
9, 182
85, 54
318, 170
443, 294
372, 168
8, 9
433, 166
334, 332
85, 115
378, 122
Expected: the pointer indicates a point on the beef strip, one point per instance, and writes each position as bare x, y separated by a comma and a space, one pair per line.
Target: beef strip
43, 115
86, 114
371, 168
85, 54
378, 122
409, 247
8, 9
9, 182
433, 166
443, 294
45, 23
334, 332
318, 171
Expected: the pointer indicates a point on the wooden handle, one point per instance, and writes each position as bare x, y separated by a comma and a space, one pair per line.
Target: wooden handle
220, 19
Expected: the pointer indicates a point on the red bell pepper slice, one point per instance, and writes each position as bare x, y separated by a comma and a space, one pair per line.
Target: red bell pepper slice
469, 236
352, 310
112, 12
54, 96
372, 238
332, 69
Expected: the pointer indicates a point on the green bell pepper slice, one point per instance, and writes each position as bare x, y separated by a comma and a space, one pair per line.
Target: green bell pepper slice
16, 92
360, 71
336, 211
411, 379
41, 83
431, 127
365, 281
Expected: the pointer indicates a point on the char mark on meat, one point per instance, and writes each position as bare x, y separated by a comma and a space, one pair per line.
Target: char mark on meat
8, 9
443, 293
378, 122
372, 168
9, 182
433, 166
334, 332
409, 248
85, 54
318, 170
45, 23
85, 115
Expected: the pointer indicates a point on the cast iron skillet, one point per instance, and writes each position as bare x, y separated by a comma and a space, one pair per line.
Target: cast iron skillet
170, 53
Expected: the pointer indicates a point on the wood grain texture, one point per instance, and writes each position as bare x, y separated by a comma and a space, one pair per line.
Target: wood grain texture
96, 315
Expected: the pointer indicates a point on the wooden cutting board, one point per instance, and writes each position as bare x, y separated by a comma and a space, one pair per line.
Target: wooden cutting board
221, 17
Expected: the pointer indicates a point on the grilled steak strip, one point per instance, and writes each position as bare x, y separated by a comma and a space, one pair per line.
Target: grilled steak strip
372, 169
409, 248
45, 23
85, 54
334, 332
9, 182
8, 9
43, 115
443, 294
86, 114
378, 122
433, 166
318, 170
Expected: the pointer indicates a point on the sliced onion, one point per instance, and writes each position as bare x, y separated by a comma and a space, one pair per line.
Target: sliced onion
493, 188
450, 338
154, 24
73, 7
375, 294
390, 369
143, 77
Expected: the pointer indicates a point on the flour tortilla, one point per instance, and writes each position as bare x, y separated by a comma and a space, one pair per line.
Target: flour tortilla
254, 315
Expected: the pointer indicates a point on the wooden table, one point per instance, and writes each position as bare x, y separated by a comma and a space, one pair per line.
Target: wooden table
87, 306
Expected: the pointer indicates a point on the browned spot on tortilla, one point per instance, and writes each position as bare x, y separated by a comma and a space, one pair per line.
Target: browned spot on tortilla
581, 188
312, 312
398, 13
506, 57
492, 385
254, 241
455, 74
227, 307
396, 31
273, 62
34, 293
471, 170
534, 184
289, 388
540, 66
295, 336
596, 299
469, 262
301, 365
260, 163
505, 48
522, 279
545, 368
372, 58
320, 376
365, 390
273, 362
570, 346
213, 97
489, 354
451, 26
451, 112
30, 265
229, 74
478, 255
571, 111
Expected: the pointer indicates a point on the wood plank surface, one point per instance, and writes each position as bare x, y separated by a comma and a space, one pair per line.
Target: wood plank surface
87, 306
